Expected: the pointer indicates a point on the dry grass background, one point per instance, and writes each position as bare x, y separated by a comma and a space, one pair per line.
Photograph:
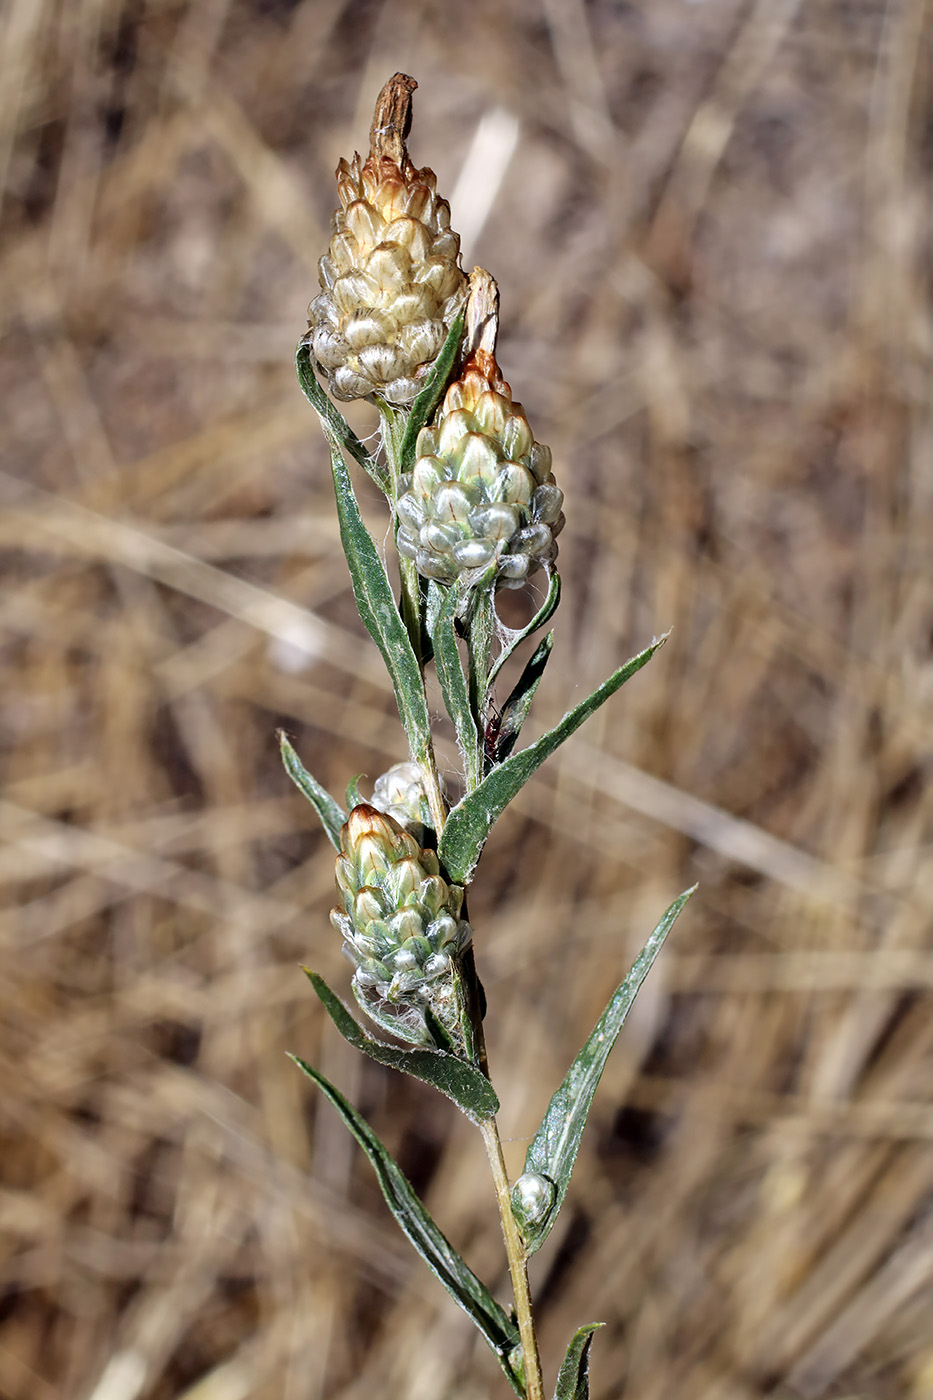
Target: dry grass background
711, 225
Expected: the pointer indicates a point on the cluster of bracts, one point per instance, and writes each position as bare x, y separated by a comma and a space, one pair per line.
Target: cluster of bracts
481, 501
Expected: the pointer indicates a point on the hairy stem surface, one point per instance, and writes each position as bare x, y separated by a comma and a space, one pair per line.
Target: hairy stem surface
517, 1262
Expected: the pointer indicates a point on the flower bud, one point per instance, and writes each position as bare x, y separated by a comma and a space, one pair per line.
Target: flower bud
400, 919
400, 793
482, 490
391, 280
532, 1199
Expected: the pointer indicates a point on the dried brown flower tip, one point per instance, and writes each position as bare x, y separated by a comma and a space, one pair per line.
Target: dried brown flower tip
392, 284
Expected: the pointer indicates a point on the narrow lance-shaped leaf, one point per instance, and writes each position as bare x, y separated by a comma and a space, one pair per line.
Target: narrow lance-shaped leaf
453, 684
334, 421
329, 810
433, 1246
425, 403
353, 795
573, 1382
472, 819
515, 639
480, 632
435, 598
515, 709
469, 1089
376, 604
553, 1151
393, 421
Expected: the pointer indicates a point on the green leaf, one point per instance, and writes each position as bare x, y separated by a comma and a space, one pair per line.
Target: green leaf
434, 601
554, 1146
439, 1033
454, 686
333, 421
433, 1246
515, 639
424, 405
479, 635
376, 604
514, 711
328, 808
353, 795
472, 819
573, 1382
470, 1090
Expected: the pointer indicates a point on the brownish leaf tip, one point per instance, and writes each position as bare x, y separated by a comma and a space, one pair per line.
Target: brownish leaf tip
392, 119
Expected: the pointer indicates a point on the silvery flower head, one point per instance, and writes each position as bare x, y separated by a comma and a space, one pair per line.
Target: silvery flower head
400, 920
391, 281
482, 492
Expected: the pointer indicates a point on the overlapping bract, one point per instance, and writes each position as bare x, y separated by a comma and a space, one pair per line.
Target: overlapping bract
400, 921
482, 489
392, 286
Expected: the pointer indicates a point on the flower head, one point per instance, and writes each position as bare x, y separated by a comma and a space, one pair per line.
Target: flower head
400, 920
482, 491
391, 280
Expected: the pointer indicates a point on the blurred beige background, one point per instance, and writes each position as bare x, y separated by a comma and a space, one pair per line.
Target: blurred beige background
711, 226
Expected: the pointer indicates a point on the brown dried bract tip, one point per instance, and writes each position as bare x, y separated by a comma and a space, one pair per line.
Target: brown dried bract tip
392, 120
481, 330
481, 322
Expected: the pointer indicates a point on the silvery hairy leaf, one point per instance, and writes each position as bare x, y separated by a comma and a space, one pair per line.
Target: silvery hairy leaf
550, 1158
426, 402
435, 1249
573, 1382
377, 608
333, 421
472, 819
454, 684
515, 708
329, 810
469, 1089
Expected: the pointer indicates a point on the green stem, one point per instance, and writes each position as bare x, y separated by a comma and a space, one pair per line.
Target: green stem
515, 1250
479, 645
518, 1270
394, 422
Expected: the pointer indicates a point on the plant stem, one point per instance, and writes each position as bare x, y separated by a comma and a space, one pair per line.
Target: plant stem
517, 1262
393, 432
514, 1248
478, 648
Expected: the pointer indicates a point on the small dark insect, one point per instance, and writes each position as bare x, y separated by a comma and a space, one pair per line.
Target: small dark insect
491, 735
